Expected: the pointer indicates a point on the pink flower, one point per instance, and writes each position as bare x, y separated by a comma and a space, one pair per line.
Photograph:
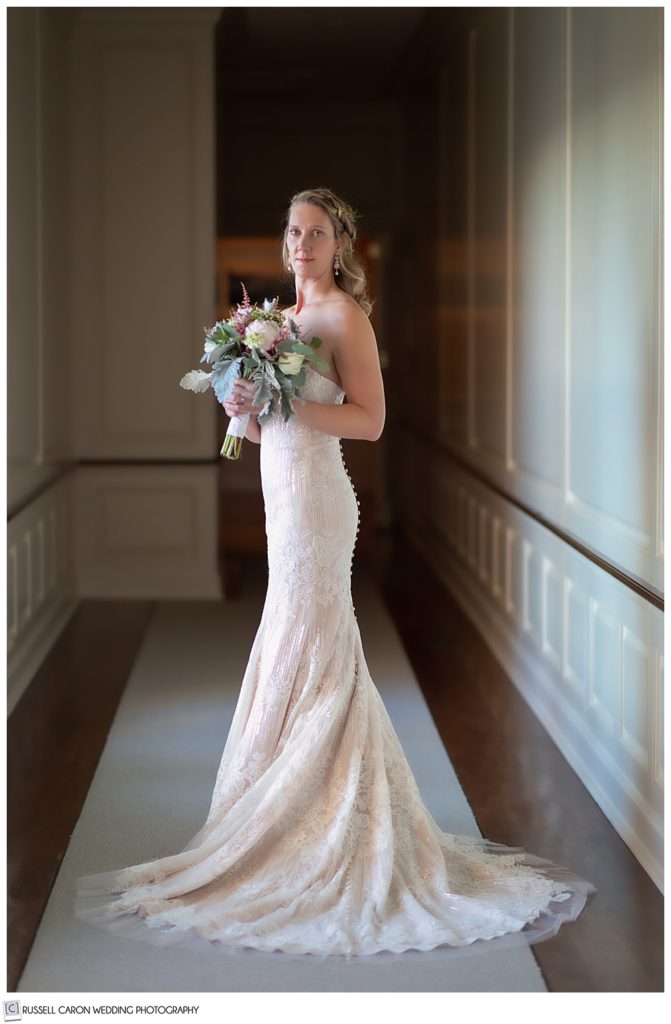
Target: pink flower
261, 334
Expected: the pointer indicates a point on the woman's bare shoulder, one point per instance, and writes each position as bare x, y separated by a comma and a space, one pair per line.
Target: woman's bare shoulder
333, 312
346, 310
354, 310
350, 318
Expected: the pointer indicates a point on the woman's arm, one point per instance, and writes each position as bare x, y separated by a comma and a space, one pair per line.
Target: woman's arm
358, 364
340, 420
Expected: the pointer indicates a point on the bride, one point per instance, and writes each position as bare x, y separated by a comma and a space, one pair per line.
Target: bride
317, 839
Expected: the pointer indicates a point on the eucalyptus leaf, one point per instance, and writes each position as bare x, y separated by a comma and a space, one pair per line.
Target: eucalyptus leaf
320, 363
304, 349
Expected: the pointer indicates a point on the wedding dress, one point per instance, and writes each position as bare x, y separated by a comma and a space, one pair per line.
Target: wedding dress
317, 840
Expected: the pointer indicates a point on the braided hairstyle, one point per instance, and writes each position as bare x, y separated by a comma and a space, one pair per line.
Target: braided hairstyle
352, 277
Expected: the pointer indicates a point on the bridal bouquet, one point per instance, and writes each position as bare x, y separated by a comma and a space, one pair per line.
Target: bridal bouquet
258, 344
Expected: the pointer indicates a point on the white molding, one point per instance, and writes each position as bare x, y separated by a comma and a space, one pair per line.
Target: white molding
583, 650
127, 532
40, 594
147, 532
617, 799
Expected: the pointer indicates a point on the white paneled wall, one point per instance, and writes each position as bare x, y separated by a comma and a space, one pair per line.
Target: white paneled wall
614, 483
552, 341
112, 231
585, 651
143, 287
146, 532
551, 381
144, 231
38, 371
40, 563
40, 582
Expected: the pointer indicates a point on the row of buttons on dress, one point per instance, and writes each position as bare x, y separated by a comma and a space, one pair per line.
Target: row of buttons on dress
358, 518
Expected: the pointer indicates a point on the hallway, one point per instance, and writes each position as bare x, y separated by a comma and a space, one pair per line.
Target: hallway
506, 168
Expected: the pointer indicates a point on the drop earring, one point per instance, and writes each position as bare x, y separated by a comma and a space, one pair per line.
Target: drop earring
336, 265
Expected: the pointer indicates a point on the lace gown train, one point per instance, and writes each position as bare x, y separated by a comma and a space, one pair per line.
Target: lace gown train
317, 840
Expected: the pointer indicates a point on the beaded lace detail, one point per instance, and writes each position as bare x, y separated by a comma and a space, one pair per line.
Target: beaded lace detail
317, 839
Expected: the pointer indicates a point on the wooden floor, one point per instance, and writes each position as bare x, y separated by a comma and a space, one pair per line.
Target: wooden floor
520, 788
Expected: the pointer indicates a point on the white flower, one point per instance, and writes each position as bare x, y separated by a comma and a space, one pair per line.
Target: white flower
196, 380
290, 362
261, 334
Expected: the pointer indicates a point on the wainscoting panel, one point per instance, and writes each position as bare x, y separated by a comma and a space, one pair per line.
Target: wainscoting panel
147, 532
40, 582
584, 651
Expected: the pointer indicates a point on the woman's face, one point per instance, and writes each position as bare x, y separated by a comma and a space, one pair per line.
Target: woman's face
310, 240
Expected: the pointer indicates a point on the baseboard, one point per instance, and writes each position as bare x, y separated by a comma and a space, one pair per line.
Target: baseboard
22, 667
40, 584
615, 798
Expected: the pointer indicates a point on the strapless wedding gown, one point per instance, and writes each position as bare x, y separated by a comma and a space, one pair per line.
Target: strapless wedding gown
317, 840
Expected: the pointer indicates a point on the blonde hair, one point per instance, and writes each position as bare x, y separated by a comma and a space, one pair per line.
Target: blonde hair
352, 277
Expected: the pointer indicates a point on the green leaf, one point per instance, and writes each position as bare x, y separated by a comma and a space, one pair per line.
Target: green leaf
223, 384
221, 365
306, 350
272, 374
285, 407
320, 363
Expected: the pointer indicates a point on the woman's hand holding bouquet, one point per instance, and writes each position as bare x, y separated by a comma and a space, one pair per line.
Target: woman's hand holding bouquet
241, 400
256, 345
